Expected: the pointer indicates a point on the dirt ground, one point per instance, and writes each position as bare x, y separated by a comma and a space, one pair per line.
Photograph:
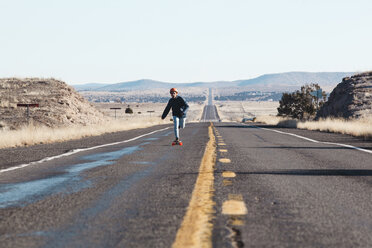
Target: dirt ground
237, 110
144, 111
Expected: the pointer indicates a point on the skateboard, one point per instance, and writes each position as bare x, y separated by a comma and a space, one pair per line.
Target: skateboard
175, 143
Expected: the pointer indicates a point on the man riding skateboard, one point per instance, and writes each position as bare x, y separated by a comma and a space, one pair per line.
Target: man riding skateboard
179, 109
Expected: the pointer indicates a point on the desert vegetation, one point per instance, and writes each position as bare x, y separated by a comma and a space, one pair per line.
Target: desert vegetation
63, 114
238, 110
302, 103
347, 111
192, 94
35, 133
357, 127
146, 111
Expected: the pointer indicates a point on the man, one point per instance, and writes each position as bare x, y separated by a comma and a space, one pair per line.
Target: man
179, 109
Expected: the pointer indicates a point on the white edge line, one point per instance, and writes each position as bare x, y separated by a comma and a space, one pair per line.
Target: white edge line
292, 134
349, 146
78, 150
316, 141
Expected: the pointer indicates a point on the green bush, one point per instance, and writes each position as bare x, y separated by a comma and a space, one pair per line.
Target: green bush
129, 110
301, 104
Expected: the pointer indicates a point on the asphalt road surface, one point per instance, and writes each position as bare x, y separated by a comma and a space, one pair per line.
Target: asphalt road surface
210, 113
298, 193
133, 189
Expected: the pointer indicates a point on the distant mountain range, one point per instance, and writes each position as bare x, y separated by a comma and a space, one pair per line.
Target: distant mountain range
270, 82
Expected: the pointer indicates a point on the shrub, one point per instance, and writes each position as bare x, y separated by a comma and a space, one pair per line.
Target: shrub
301, 104
129, 110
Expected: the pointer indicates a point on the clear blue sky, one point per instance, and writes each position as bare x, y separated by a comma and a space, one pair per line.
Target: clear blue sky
108, 41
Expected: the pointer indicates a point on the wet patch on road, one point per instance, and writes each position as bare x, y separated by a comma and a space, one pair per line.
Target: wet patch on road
74, 233
67, 181
143, 162
152, 139
167, 134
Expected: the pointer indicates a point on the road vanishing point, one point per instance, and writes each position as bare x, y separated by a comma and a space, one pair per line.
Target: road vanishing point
229, 185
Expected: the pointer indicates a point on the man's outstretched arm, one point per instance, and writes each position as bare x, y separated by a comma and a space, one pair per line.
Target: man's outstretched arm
166, 110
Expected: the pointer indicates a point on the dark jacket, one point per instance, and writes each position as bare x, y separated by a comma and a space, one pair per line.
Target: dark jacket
179, 107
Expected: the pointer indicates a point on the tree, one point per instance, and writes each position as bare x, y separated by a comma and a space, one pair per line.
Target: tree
301, 104
129, 110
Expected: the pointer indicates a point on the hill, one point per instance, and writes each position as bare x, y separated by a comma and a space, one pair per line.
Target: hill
91, 86
59, 104
269, 82
296, 79
146, 84
352, 98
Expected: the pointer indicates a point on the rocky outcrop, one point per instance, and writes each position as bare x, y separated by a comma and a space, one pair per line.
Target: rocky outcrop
352, 98
59, 104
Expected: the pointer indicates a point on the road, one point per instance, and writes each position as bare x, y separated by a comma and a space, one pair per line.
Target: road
229, 185
210, 113
297, 193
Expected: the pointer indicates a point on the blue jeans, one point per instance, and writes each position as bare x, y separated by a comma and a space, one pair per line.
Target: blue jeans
178, 123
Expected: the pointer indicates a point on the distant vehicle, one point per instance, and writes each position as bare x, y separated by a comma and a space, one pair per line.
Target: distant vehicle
253, 119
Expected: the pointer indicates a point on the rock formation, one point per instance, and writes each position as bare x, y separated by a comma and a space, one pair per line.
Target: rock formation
352, 98
59, 104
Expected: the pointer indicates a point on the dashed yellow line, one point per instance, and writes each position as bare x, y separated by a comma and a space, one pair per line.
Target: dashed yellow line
196, 227
236, 220
237, 197
224, 160
234, 206
228, 174
226, 182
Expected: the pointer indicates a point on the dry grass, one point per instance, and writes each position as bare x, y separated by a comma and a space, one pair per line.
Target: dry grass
32, 134
357, 127
277, 121
140, 111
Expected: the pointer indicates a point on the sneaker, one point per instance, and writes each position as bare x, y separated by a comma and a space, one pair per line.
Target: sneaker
175, 142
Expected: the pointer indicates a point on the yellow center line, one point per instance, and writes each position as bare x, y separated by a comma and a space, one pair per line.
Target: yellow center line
196, 227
